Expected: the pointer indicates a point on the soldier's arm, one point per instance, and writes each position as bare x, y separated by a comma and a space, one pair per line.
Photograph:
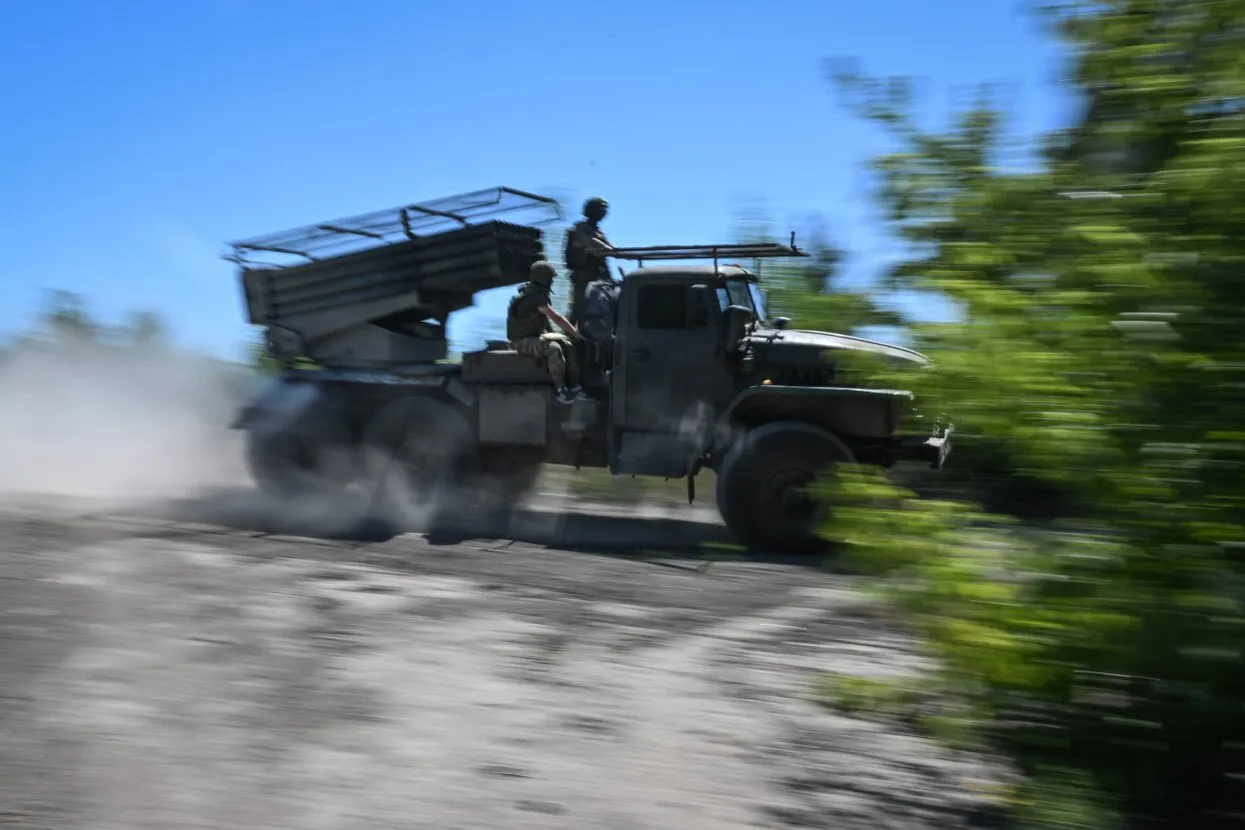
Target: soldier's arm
562, 323
589, 241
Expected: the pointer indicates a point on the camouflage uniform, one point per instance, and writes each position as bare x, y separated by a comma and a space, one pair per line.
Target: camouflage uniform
557, 350
585, 254
529, 331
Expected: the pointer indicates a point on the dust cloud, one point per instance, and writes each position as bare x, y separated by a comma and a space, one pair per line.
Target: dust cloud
146, 429
118, 426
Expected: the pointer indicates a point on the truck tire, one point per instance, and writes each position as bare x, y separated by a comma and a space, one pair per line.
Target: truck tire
760, 481
312, 459
416, 451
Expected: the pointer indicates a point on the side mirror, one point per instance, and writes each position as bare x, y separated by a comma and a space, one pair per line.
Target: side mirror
737, 319
781, 322
698, 297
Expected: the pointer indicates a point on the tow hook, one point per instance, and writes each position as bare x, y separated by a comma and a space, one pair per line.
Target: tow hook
941, 446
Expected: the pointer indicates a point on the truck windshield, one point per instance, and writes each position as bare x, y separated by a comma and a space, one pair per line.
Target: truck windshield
758, 301
734, 292
741, 292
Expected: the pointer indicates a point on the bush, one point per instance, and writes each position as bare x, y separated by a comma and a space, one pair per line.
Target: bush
1103, 354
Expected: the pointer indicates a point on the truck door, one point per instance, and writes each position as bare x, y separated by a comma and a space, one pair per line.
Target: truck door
668, 363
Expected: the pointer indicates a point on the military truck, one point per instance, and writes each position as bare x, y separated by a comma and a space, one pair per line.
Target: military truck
693, 374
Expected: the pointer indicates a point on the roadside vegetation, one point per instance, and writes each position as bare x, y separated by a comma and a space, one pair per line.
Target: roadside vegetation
1080, 574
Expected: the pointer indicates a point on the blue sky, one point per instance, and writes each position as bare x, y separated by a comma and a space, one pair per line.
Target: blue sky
141, 136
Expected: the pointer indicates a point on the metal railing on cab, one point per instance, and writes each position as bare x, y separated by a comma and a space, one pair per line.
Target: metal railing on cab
715, 252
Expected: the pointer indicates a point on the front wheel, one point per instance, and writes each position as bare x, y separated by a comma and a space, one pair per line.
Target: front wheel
764, 486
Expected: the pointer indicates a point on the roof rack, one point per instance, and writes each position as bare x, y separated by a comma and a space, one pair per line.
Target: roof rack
751, 250
325, 240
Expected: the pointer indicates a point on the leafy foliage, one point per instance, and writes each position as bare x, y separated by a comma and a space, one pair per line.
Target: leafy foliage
66, 322
1103, 351
812, 291
66, 327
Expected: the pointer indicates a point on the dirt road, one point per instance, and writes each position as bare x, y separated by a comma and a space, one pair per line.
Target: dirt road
156, 673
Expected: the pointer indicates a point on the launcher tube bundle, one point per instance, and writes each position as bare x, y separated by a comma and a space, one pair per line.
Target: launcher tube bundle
376, 290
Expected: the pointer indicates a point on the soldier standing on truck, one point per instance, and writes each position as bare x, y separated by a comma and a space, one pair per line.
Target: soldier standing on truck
586, 250
529, 332
597, 319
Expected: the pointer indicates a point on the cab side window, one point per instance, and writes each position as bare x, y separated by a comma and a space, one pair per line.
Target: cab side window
662, 307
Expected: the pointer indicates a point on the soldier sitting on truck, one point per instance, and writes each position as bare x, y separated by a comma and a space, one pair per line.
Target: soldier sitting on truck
529, 332
586, 250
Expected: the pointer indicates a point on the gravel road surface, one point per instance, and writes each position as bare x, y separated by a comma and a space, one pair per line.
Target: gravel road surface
206, 665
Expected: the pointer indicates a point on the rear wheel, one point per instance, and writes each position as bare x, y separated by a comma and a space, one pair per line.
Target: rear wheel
763, 487
311, 458
417, 453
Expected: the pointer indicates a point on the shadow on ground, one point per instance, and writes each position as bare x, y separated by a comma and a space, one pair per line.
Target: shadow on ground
584, 528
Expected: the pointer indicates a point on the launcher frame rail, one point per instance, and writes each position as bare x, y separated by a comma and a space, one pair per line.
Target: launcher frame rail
325, 240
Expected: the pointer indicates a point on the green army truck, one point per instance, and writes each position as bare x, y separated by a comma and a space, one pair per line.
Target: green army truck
691, 374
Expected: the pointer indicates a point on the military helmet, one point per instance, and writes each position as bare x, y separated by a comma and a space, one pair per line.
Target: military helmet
596, 208
542, 273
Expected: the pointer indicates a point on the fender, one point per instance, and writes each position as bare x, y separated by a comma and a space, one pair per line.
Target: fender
279, 404
834, 410
861, 413
283, 400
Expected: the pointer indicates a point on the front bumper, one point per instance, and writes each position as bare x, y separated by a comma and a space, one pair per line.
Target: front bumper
932, 450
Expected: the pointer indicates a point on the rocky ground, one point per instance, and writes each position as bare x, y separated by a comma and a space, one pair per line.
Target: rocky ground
216, 664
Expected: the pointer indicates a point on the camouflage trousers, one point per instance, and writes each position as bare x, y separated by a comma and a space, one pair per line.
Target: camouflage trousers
558, 352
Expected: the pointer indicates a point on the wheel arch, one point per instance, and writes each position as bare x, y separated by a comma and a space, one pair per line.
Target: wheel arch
414, 407
751, 437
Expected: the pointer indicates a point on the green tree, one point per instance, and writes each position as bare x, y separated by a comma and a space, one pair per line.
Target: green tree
145, 329
812, 291
66, 318
1103, 347
67, 321
261, 360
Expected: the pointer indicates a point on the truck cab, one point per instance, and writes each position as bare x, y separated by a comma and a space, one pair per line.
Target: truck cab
675, 368
698, 376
